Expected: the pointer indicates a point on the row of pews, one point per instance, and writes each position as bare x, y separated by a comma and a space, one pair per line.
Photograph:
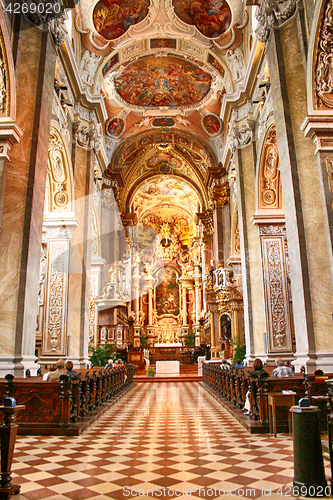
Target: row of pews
67, 407
233, 386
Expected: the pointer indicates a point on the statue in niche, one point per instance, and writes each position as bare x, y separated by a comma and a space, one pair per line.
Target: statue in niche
225, 327
89, 64
235, 61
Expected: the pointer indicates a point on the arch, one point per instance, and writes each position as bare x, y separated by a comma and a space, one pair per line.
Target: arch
317, 59
134, 188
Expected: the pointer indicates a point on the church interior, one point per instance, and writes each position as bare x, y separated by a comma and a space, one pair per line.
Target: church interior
166, 188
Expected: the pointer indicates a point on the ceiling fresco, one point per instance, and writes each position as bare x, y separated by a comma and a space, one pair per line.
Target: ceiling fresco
112, 18
175, 152
165, 81
163, 193
163, 159
210, 17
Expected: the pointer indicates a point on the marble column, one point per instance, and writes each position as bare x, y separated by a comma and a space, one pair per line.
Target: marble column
150, 300
184, 305
253, 292
80, 257
306, 224
23, 202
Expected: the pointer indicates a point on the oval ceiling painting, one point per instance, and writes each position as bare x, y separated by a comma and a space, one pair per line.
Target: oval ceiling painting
114, 127
211, 17
212, 124
112, 18
166, 81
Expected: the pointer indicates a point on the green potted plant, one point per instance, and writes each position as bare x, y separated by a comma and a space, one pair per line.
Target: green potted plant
189, 339
151, 372
240, 352
101, 355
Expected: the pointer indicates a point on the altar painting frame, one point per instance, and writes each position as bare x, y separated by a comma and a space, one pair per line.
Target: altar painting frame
167, 294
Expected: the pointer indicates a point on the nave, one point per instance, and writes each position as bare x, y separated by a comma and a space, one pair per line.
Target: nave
170, 435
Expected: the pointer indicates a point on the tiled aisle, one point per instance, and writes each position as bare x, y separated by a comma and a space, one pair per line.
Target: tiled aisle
169, 435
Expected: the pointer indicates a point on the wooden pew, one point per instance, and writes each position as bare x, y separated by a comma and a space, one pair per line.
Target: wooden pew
65, 407
233, 385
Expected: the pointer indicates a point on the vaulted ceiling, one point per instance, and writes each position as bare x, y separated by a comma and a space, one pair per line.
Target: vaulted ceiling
166, 69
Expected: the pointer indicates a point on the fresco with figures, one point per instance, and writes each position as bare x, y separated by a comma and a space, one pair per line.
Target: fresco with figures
168, 81
165, 191
167, 293
210, 17
164, 157
112, 18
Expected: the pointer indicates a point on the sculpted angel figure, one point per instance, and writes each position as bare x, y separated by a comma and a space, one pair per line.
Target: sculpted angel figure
144, 122
182, 121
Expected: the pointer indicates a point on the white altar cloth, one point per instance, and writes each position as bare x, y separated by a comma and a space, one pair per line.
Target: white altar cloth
168, 344
167, 368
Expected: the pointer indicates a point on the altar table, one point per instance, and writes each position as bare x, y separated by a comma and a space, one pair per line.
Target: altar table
167, 368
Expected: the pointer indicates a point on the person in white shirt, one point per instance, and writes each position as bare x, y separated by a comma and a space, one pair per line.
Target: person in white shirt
53, 368
282, 370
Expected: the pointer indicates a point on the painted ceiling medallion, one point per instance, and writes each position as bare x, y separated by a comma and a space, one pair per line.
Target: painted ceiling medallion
165, 81
112, 18
212, 124
210, 17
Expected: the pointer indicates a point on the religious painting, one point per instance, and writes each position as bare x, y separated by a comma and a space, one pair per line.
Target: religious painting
112, 18
212, 124
163, 137
114, 127
129, 149
163, 122
167, 292
111, 62
163, 158
210, 17
166, 81
167, 192
161, 43
216, 64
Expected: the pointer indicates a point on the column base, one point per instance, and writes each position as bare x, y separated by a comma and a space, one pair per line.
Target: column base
306, 359
18, 366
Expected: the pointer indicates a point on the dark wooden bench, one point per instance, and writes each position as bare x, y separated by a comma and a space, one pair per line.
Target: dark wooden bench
66, 407
234, 385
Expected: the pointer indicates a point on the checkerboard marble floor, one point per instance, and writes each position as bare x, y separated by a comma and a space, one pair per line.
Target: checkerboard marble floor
160, 440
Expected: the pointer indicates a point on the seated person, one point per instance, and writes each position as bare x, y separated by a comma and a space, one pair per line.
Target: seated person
119, 363
282, 370
53, 368
238, 365
319, 375
225, 365
109, 364
55, 376
72, 374
258, 371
